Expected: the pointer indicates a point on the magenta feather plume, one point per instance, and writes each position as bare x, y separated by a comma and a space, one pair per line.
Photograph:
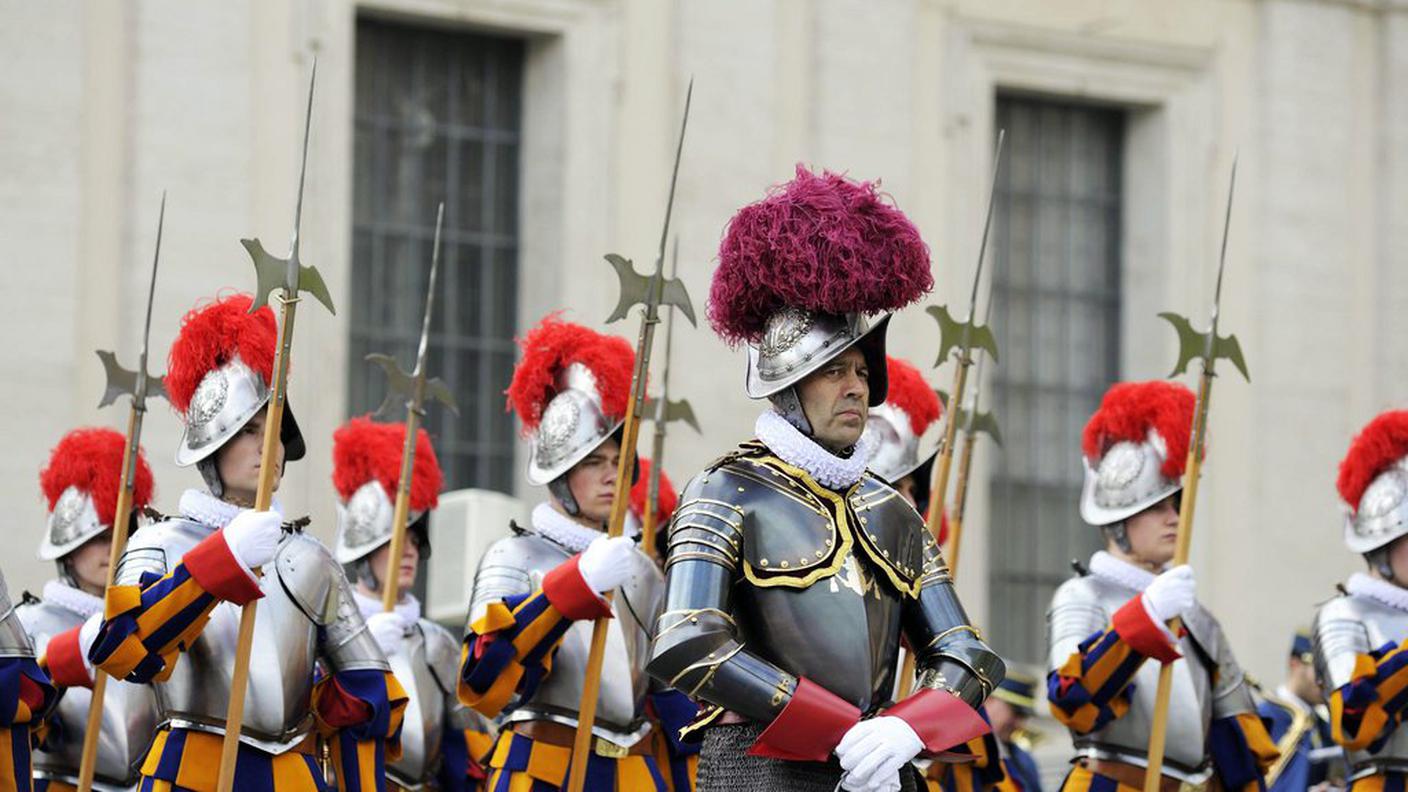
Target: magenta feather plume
826, 244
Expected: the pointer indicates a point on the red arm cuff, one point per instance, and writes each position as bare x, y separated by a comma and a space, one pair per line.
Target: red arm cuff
214, 567
341, 709
1135, 627
940, 718
809, 727
568, 591
64, 659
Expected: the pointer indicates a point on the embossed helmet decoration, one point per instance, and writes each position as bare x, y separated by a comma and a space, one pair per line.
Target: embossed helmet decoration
801, 271
1373, 481
366, 471
1136, 445
910, 408
569, 390
80, 486
218, 374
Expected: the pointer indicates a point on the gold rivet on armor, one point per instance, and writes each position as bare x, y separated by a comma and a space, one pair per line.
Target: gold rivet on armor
693, 619
884, 552
802, 561
740, 489
762, 562
864, 520
784, 564
819, 554
704, 480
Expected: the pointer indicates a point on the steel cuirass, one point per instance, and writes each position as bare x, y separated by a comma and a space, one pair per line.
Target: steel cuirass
1207, 682
14, 641
774, 577
425, 664
1345, 628
129, 715
515, 566
305, 595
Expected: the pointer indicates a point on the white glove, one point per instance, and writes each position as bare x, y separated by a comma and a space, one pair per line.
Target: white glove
607, 562
389, 630
1171, 594
874, 750
253, 537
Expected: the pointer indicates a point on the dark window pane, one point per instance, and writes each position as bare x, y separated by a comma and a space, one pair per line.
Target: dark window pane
1056, 313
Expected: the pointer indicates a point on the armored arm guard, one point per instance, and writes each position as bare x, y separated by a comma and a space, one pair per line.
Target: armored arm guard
1356, 673
697, 648
28, 695
317, 585
14, 641
1241, 748
949, 652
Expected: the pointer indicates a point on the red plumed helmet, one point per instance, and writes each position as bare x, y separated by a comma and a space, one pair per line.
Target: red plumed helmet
1381, 445
364, 450
669, 499
822, 243
80, 486
550, 349
910, 393
211, 336
1131, 410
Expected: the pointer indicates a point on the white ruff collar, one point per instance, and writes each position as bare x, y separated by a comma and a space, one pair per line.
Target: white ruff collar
560, 528
1104, 565
1381, 591
70, 598
408, 608
798, 450
210, 511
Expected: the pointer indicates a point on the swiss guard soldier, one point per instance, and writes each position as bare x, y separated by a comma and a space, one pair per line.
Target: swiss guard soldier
1009, 708
174, 608
910, 408
441, 739
1301, 731
26, 697
1107, 627
1360, 637
793, 571
80, 486
538, 591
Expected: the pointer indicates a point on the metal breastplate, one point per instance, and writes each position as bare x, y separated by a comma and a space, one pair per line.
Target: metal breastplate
277, 711
1086, 605
423, 727
129, 715
818, 604
1346, 627
516, 565
14, 641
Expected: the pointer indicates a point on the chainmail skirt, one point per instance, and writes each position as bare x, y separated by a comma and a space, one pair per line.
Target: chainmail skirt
725, 766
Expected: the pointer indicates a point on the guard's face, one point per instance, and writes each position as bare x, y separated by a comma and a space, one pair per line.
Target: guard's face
593, 482
1153, 533
1004, 718
90, 563
905, 487
835, 399
408, 568
238, 460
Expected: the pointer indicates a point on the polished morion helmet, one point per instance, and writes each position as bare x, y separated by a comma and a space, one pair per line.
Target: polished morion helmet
366, 471
217, 378
80, 486
1373, 482
1136, 445
799, 273
910, 408
569, 390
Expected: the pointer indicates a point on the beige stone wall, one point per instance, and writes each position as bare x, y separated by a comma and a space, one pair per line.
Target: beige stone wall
107, 104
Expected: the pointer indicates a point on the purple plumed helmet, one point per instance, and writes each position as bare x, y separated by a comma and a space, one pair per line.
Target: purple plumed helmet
821, 243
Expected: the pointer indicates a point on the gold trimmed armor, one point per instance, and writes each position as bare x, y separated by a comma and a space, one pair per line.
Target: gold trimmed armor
772, 577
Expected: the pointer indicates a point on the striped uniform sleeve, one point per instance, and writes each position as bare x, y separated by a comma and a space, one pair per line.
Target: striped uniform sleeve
146, 624
1365, 711
360, 712
508, 650
1092, 687
26, 695
984, 772
1242, 751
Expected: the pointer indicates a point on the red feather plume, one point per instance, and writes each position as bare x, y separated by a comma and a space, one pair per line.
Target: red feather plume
551, 347
91, 460
1380, 444
364, 450
211, 335
1130, 409
669, 499
824, 243
909, 392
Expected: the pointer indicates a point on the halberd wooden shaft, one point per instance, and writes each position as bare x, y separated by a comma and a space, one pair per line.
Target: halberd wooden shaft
960, 502
390, 584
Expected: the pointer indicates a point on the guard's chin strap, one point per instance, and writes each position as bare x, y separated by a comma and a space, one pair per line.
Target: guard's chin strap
563, 492
362, 570
210, 472
1377, 560
1118, 534
788, 404
65, 572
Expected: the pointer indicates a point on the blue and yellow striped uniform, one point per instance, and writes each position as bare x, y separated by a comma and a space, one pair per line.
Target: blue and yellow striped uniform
25, 696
